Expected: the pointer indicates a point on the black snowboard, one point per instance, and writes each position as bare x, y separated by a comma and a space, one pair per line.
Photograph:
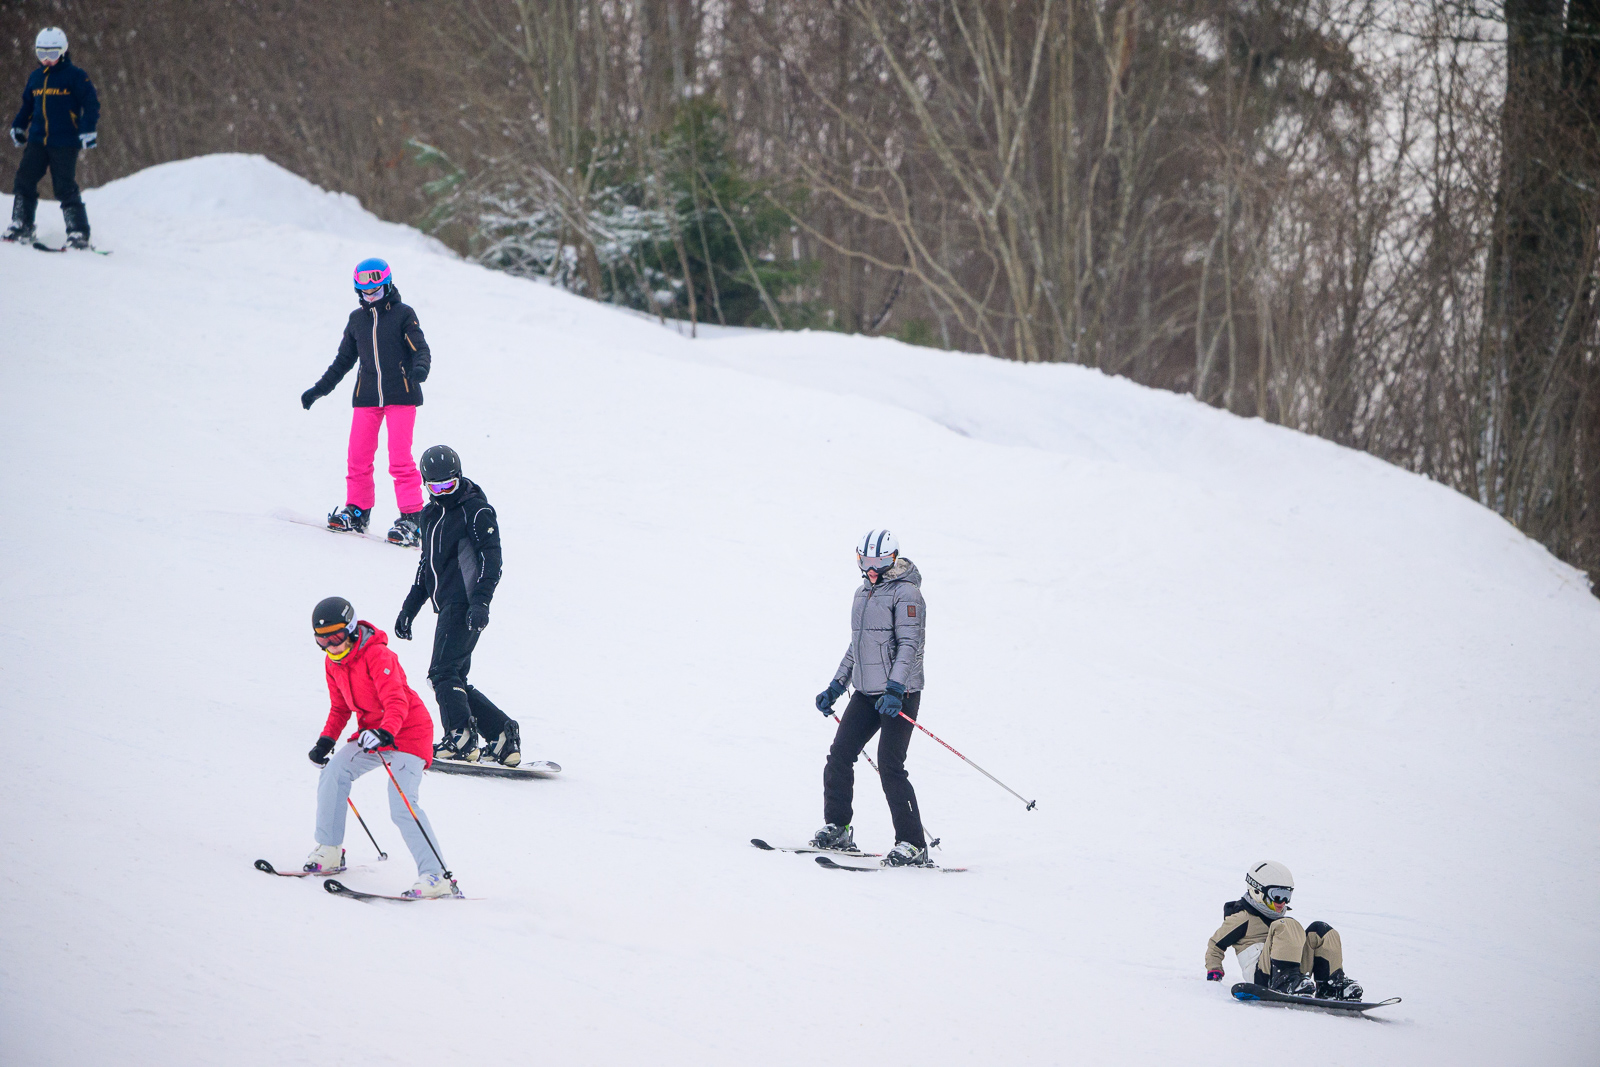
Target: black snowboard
1251, 991
491, 769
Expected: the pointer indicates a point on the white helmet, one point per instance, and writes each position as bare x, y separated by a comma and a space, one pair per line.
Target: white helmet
51, 40
876, 551
1271, 886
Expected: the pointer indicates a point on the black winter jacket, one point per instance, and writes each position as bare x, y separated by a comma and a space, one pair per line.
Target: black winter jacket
387, 340
58, 104
460, 551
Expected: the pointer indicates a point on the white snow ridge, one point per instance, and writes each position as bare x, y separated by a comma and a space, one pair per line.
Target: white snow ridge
1199, 641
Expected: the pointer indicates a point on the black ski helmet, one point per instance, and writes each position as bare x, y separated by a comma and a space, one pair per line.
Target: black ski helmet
440, 463
331, 615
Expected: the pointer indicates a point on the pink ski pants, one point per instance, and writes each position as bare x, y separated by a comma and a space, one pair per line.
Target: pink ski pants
364, 423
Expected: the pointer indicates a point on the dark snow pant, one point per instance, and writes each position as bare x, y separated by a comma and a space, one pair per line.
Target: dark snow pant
856, 727
459, 703
62, 163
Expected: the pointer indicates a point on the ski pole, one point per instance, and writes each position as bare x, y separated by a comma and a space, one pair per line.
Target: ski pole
933, 843
382, 855
447, 875
980, 770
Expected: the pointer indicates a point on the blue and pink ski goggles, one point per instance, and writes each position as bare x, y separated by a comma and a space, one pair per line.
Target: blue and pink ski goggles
372, 274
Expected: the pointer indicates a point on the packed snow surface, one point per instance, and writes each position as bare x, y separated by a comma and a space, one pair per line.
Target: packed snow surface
1199, 641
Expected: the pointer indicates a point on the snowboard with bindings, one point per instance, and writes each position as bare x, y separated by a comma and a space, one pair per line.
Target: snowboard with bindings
1250, 991
42, 247
810, 849
489, 769
367, 535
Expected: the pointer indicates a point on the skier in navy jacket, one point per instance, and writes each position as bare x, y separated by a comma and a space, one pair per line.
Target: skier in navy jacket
58, 118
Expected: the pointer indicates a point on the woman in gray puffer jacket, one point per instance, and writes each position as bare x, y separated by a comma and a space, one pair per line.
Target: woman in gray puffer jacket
884, 665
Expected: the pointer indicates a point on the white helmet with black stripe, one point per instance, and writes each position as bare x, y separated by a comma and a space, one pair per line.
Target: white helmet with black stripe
1270, 887
876, 551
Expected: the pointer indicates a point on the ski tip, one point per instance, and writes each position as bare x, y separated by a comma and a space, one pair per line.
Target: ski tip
334, 887
263, 865
756, 841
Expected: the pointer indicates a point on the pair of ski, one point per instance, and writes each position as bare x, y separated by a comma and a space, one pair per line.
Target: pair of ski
1248, 991
825, 858
339, 889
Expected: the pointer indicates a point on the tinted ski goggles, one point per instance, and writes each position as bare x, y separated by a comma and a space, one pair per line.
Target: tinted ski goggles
1277, 894
48, 55
874, 563
372, 279
332, 638
441, 488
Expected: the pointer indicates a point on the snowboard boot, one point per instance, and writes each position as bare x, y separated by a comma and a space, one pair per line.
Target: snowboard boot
431, 885
349, 519
905, 854
506, 749
407, 530
325, 859
77, 220
19, 233
839, 838
459, 745
21, 228
78, 241
1339, 986
1289, 979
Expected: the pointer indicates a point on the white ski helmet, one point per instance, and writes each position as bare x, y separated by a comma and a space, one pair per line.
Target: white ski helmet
51, 43
876, 551
1271, 886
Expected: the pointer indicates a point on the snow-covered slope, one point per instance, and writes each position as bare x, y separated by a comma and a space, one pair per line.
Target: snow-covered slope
1199, 641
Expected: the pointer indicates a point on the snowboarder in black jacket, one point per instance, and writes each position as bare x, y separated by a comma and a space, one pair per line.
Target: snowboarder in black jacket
60, 111
459, 570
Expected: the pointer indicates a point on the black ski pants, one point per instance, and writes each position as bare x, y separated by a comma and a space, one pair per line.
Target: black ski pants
62, 163
856, 727
460, 703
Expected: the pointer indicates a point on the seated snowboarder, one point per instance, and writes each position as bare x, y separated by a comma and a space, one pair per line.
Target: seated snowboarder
1275, 951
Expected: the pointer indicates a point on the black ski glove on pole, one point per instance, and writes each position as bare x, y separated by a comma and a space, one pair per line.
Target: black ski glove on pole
829, 697
893, 699
319, 751
372, 740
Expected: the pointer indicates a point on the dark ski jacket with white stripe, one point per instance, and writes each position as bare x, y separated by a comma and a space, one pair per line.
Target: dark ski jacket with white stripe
387, 341
460, 551
58, 104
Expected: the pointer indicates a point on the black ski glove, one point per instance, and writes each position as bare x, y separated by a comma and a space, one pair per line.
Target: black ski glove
19, 136
402, 626
372, 740
319, 751
893, 699
830, 696
419, 375
309, 397
477, 617
89, 140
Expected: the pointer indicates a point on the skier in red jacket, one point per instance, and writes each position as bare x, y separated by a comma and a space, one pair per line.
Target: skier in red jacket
365, 678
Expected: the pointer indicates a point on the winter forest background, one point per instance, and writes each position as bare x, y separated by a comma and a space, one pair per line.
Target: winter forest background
1372, 221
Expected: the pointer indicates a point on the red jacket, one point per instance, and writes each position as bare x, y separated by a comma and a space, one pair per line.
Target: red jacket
370, 682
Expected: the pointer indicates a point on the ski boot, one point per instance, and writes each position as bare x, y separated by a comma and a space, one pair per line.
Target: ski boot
325, 859
407, 530
905, 854
1289, 979
506, 749
1339, 986
838, 838
349, 519
79, 241
459, 745
431, 885
19, 233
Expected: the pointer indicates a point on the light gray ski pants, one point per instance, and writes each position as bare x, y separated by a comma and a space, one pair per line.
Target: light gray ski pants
333, 790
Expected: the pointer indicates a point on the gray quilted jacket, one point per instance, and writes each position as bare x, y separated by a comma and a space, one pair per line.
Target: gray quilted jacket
886, 632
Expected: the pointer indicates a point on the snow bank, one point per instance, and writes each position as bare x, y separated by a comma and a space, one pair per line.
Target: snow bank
1200, 641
